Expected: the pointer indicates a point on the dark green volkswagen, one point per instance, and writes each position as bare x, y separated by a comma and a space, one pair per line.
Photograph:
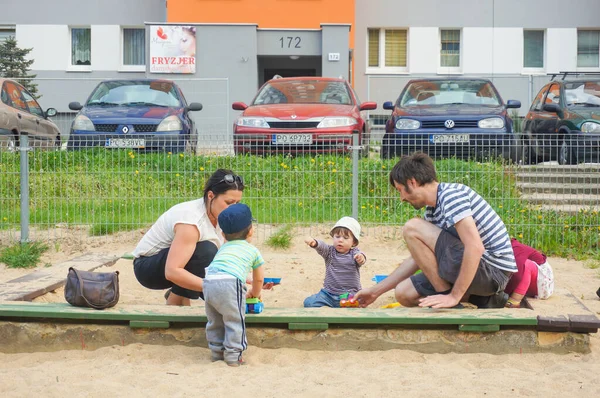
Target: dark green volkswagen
563, 123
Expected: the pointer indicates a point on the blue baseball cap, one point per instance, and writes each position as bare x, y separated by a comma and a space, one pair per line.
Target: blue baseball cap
235, 218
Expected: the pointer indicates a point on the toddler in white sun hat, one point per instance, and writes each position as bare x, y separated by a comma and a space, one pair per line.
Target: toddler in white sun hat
342, 264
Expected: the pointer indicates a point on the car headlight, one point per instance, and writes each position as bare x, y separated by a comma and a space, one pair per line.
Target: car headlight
83, 123
258, 122
590, 127
407, 124
336, 122
170, 123
491, 123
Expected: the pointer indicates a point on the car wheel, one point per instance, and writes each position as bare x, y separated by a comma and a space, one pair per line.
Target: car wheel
565, 153
526, 153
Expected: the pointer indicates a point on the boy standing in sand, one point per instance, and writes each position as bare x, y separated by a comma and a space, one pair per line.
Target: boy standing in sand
225, 291
342, 263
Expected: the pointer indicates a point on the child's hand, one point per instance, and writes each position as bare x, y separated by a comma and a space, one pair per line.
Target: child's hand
360, 258
250, 295
311, 242
268, 286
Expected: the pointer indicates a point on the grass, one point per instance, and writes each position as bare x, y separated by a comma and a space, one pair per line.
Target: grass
281, 239
118, 190
26, 255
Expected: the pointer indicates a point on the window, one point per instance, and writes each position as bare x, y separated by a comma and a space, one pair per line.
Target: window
450, 51
15, 95
553, 96
387, 48
134, 46
5, 33
81, 46
533, 49
32, 104
537, 102
588, 45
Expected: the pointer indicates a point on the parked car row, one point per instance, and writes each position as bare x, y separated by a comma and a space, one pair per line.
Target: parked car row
462, 117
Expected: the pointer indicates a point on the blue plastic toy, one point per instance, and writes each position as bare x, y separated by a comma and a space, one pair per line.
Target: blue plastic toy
275, 281
254, 306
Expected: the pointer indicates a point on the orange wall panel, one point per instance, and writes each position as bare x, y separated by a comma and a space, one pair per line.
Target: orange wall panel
302, 14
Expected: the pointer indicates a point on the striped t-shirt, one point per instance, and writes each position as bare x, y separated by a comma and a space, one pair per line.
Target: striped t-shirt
458, 201
341, 270
237, 258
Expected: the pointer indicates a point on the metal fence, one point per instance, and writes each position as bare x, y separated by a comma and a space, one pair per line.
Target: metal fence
99, 191
94, 190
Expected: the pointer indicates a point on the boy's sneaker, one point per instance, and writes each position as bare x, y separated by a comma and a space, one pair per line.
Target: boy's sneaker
215, 357
237, 363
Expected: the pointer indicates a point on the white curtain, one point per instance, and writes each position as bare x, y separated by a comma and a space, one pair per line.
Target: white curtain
588, 45
134, 46
81, 46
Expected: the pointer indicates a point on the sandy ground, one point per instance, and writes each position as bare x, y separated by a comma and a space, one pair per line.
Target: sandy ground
140, 370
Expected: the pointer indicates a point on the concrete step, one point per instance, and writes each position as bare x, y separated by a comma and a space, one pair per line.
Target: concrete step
561, 189
562, 199
553, 167
561, 178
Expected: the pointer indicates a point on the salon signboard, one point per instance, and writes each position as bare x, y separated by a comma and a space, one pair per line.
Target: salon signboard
172, 49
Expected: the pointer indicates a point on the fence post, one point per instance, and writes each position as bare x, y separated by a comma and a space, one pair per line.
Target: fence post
355, 152
24, 175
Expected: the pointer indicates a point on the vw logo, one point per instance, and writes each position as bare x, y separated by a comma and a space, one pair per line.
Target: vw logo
294, 116
449, 124
125, 129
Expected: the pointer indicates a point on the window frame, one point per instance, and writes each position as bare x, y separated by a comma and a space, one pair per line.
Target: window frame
9, 28
382, 69
587, 68
131, 68
526, 70
78, 68
445, 70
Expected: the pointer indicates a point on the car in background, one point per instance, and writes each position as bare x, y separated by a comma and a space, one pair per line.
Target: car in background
135, 113
300, 115
20, 113
563, 123
450, 117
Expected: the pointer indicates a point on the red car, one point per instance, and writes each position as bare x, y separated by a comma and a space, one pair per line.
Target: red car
301, 115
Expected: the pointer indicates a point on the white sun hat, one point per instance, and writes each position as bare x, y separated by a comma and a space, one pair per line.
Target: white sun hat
350, 224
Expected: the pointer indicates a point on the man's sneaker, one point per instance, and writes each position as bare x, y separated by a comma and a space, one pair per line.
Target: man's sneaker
239, 362
497, 300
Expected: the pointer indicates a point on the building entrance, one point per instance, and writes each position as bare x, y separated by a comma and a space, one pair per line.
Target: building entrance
285, 66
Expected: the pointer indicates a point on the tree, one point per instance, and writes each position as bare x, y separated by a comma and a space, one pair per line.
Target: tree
13, 64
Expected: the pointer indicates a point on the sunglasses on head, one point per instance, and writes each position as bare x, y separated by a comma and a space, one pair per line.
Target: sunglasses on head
231, 179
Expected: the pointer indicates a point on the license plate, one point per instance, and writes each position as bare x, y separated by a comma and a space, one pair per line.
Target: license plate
449, 138
125, 143
292, 139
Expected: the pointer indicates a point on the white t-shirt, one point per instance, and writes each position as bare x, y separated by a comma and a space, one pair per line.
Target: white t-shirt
162, 233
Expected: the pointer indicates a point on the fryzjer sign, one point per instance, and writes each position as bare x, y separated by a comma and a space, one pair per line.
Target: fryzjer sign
172, 49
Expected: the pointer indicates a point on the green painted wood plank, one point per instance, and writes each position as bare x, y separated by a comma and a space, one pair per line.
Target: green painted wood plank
149, 324
479, 328
343, 316
308, 326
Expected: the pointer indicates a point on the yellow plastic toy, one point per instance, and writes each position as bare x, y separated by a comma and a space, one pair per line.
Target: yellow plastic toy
391, 305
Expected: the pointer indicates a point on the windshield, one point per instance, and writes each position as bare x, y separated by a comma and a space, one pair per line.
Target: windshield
582, 94
303, 92
135, 93
444, 92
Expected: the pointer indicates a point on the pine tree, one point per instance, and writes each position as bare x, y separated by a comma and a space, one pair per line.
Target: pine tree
13, 64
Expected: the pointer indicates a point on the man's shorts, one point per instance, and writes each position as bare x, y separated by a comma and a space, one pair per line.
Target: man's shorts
449, 250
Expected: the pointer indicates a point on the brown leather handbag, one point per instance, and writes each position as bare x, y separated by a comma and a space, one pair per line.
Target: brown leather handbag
97, 290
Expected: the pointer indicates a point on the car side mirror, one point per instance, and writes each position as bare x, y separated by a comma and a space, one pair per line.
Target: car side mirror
553, 108
50, 112
239, 106
388, 105
368, 106
194, 106
75, 106
513, 104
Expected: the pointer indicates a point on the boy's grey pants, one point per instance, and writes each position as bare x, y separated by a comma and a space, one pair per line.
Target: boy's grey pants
225, 304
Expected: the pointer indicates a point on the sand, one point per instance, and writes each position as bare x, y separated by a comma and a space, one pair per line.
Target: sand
141, 370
